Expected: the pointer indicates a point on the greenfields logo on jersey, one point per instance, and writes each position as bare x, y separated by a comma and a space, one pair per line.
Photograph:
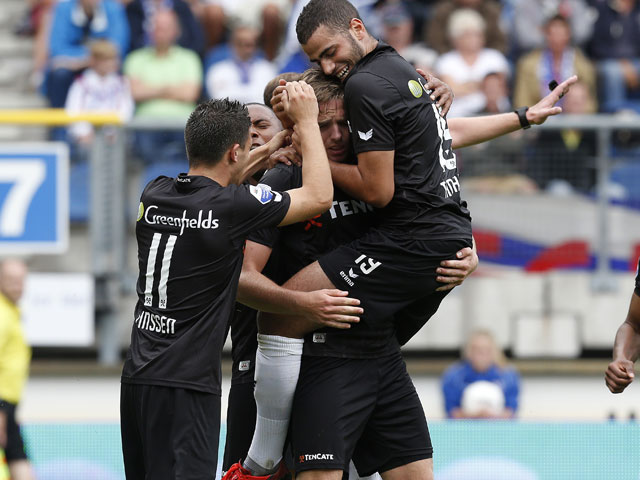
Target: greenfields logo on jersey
415, 88
140, 211
204, 220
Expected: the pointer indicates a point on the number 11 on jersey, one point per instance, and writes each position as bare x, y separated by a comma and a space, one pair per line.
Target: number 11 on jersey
164, 270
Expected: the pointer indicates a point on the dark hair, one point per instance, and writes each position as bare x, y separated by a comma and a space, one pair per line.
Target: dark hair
334, 14
213, 128
558, 17
274, 82
325, 87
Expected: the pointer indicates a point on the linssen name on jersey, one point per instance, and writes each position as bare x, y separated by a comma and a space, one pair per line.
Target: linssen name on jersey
202, 221
156, 323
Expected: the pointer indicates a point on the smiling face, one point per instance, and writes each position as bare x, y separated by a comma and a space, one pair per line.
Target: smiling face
334, 130
264, 125
335, 53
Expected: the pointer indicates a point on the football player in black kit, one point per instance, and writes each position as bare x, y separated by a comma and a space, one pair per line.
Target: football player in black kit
190, 233
626, 347
407, 170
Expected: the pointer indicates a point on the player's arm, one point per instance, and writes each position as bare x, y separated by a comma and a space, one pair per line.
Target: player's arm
259, 158
468, 131
371, 180
626, 349
316, 194
326, 308
453, 272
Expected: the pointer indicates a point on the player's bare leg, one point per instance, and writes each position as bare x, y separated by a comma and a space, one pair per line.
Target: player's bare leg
308, 279
277, 368
320, 475
420, 470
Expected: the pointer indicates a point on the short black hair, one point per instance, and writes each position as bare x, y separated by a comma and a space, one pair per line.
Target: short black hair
334, 14
213, 128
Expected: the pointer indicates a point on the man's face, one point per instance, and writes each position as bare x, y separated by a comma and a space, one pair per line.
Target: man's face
242, 157
336, 53
12, 279
165, 29
264, 125
245, 41
481, 353
334, 130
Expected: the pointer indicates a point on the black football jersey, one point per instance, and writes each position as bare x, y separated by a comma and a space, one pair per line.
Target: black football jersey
191, 233
388, 108
300, 244
296, 246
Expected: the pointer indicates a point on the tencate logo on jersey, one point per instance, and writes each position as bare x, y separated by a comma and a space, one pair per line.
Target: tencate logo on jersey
204, 220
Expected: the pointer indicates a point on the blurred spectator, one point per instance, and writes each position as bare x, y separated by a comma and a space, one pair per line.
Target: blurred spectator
165, 82
397, 31
99, 89
437, 35
496, 94
212, 19
243, 76
33, 19
74, 24
481, 386
266, 16
562, 161
140, 15
557, 60
530, 17
496, 166
616, 47
465, 67
15, 356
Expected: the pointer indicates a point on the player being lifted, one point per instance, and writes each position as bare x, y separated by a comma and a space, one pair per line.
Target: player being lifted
407, 170
190, 234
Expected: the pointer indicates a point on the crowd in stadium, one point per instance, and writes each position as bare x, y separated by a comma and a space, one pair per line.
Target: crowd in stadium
162, 56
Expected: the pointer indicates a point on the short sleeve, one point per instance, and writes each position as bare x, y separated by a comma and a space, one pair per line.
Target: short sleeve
452, 387
637, 290
511, 388
370, 102
256, 207
280, 178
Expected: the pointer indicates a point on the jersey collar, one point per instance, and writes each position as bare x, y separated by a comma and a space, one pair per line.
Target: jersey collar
185, 181
380, 48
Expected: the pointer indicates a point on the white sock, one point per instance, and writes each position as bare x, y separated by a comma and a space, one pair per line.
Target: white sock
277, 369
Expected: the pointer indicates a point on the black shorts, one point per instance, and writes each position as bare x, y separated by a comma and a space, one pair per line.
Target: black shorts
241, 421
15, 449
388, 274
361, 409
244, 344
169, 433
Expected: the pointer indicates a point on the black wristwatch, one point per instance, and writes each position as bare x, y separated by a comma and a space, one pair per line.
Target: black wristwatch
522, 116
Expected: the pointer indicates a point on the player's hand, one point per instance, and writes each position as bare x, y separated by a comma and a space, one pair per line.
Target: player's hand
279, 140
278, 106
441, 92
546, 107
3, 429
300, 104
453, 272
619, 375
331, 308
287, 155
